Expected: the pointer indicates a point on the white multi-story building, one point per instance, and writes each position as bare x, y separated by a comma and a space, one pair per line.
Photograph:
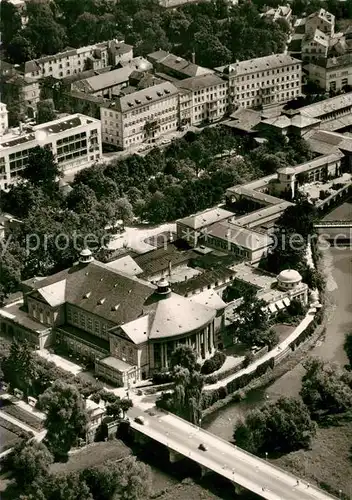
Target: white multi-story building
333, 73
202, 98
142, 116
263, 81
4, 122
74, 61
75, 141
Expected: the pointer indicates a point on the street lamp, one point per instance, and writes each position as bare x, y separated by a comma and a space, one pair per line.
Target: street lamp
340, 493
200, 423
266, 455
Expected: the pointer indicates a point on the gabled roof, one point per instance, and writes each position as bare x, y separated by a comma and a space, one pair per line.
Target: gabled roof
199, 82
104, 81
127, 265
54, 294
144, 97
178, 64
99, 290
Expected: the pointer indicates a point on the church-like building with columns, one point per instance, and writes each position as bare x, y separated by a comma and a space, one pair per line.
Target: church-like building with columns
127, 326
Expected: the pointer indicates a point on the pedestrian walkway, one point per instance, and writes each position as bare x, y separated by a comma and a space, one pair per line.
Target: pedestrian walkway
278, 350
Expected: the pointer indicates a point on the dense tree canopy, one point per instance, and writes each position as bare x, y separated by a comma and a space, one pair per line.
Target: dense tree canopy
282, 426
217, 32
251, 323
185, 400
19, 367
30, 463
66, 417
326, 390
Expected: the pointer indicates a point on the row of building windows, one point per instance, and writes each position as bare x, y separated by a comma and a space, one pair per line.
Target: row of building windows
79, 319
257, 74
71, 138
72, 146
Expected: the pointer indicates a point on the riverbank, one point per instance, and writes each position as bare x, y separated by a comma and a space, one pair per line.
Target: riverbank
329, 459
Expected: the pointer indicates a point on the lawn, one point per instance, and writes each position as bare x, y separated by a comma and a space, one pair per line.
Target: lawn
329, 460
92, 455
22, 415
7, 439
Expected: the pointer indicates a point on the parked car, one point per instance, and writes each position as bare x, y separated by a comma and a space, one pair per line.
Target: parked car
202, 447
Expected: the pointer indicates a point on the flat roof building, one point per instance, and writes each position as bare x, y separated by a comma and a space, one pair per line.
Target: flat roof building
75, 141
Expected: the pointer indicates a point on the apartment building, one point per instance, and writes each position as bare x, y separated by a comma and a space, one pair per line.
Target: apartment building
315, 45
263, 81
333, 73
75, 141
202, 98
141, 116
322, 20
4, 122
74, 61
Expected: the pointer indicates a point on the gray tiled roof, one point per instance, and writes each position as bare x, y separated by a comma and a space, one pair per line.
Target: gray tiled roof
259, 64
98, 289
331, 105
144, 97
104, 81
200, 82
178, 64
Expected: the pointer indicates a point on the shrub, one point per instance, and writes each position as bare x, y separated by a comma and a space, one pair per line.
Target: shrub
214, 363
162, 377
248, 360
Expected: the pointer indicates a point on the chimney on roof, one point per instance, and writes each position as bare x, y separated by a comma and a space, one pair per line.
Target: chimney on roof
193, 57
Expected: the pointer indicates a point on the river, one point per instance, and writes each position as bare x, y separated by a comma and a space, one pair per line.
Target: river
338, 268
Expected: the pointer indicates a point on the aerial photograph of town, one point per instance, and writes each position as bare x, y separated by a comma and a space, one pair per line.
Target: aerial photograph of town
175, 249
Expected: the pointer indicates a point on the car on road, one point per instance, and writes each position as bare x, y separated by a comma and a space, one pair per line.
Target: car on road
140, 420
202, 447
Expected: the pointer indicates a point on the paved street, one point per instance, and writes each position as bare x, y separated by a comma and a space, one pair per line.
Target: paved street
227, 460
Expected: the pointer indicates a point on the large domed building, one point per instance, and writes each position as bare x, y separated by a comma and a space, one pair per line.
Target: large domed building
127, 326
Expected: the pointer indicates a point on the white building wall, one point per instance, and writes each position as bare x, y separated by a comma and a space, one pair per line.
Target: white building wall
125, 129
4, 123
274, 85
73, 148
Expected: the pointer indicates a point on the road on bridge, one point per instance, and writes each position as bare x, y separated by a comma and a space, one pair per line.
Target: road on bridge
246, 470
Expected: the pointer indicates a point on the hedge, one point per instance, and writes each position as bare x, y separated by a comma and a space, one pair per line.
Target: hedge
211, 397
214, 363
212, 379
162, 378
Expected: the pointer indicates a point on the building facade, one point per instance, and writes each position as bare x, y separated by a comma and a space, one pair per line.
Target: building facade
4, 122
74, 140
142, 116
321, 20
74, 61
315, 46
263, 81
202, 98
333, 73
